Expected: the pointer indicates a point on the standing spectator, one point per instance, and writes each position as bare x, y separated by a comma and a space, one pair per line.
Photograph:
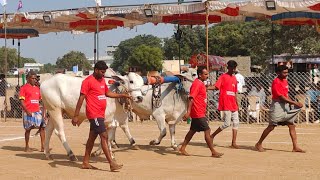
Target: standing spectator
33, 117
240, 81
3, 85
95, 91
279, 111
197, 111
227, 84
314, 93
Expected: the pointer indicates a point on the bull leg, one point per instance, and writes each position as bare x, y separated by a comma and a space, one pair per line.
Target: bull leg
126, 130
49, 130
162, 127
58, 124
172, 128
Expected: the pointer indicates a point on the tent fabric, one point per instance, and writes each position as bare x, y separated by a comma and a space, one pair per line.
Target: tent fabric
215, 62
18, 33
184, 14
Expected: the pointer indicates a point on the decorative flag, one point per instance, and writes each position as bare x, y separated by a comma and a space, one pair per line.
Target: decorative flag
19, 5
98, 2
3, 2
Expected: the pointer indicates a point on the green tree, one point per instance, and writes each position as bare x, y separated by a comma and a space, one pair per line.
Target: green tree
192, 42
12, 59
147, 58
48, 68
73, 58
127, 47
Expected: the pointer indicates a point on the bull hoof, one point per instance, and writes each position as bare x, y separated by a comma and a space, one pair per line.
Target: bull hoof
73, 158
154, 142
175, 148
114, 146
95, 154
49, 157
135, 147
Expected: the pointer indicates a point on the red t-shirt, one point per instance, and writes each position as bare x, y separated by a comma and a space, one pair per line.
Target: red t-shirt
228, 88
279, 88
198, 92
95, 92
30, 96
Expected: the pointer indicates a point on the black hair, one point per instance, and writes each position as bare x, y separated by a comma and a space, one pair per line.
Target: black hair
281, 68
2, 76
100, 65
232, 64
200, 70
31, 73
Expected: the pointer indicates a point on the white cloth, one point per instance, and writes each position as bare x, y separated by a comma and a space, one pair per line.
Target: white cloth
3, 2
241, 82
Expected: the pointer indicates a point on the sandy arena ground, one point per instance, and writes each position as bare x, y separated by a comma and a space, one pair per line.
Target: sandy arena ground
161, 162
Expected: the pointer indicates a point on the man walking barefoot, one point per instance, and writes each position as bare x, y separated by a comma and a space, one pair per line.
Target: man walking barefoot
197, 111
95, 91
279, 110
227, 84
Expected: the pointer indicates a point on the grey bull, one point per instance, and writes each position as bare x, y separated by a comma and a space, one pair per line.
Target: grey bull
172, 101
60, 94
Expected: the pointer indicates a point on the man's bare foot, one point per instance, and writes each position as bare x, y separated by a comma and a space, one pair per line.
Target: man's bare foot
234, 146
183, 152
88, 166
114, 166
27, 149
217, 155
259, 148
298, 150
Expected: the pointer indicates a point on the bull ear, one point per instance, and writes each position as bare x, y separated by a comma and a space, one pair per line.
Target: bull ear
182, 76
119, 78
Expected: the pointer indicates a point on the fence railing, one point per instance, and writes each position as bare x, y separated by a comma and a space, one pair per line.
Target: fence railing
254, 102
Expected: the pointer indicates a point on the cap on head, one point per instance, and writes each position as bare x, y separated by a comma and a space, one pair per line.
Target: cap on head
101, 65
232, 64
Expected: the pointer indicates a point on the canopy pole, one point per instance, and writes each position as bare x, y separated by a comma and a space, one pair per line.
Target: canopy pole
207, 33
97, 30
5, 62
94, 48
272, 47
18, 61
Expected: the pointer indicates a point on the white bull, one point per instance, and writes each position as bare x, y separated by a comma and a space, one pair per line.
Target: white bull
173, 103
60, 94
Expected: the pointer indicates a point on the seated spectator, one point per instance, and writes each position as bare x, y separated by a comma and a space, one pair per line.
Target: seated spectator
314, 93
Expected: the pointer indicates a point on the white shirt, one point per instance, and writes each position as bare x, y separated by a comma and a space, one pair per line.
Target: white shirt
241, 83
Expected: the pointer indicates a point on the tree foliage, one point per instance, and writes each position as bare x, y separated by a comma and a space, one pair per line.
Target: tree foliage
12, 59
252, 39
127, 47
48, 68
146, 58
73, 58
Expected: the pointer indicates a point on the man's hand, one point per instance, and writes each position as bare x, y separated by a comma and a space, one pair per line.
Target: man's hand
127, 96
186, 116
29, 113
75, 121
299, 104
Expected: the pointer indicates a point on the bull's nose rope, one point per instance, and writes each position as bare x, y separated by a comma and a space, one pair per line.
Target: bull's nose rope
125, 102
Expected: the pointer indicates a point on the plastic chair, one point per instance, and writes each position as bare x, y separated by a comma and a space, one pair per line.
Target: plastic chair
253, 107
305, 100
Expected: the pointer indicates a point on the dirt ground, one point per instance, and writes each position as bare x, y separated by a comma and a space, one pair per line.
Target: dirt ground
161, 162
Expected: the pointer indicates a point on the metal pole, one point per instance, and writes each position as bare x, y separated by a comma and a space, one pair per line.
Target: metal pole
5, 62
272, 47
97, 30
95, 48
18, 61
179, 48
207, 34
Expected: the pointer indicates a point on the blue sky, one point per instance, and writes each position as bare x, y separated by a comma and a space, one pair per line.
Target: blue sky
48, 47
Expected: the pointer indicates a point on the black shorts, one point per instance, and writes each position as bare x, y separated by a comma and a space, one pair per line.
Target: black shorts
199, 124
97, 125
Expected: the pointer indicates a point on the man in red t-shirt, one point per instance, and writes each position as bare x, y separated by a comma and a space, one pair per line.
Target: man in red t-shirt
197, 111
95, 91
33, 117
228, 106
279, 109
